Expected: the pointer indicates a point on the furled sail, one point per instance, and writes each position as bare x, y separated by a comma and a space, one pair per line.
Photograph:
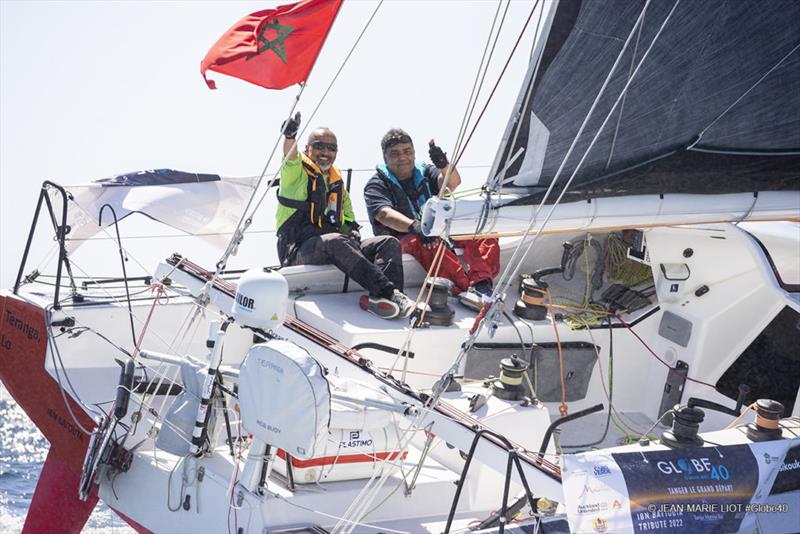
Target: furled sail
713, 108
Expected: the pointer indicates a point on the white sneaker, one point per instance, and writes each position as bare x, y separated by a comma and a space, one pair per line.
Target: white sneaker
383, 308
405, 304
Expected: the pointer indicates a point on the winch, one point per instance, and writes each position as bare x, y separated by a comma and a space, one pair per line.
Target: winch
439, 314
685, 424
767, 424
509, 386
531, 304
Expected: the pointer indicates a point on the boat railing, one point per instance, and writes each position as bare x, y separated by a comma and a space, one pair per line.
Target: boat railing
61, 231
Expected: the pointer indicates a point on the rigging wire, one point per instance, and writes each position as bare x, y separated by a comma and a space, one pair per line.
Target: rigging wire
622, 104
361, 503
712, 123
118, 301
497, 83
477, 85
104, 229
594, 139
497, 178
55, 353
510, 272
239, 229
489, 311
143, 403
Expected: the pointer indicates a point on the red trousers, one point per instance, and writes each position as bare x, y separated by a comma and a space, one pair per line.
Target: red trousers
482, 257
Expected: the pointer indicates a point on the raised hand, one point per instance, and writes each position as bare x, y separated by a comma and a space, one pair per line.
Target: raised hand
438, 157
290, 126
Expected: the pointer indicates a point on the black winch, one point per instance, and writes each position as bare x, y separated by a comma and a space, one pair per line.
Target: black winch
767, 425
509, 386
685, 424
531, 304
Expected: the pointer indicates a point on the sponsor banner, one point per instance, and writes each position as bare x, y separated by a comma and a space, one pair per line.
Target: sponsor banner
788, 478
706, 489
596, 493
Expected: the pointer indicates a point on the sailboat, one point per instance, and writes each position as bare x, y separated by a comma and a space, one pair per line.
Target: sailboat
635, 369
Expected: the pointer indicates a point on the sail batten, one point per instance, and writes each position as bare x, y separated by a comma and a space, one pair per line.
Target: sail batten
714, 108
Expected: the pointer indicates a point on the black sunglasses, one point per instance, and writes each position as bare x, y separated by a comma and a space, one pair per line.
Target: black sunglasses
395, 140
322, 145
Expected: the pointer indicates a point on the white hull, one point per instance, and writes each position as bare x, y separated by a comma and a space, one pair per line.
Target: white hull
744, 296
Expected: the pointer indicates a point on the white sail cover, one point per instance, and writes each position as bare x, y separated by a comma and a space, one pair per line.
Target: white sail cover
204, 205
284, 397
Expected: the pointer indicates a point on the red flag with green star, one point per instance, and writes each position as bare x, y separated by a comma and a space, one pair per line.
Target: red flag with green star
273, 48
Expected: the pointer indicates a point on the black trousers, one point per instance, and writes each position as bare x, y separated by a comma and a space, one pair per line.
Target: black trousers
375, 263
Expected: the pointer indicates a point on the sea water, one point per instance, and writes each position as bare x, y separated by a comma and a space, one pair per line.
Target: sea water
22, 453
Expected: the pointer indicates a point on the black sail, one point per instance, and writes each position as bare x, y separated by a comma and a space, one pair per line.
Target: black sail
714, 107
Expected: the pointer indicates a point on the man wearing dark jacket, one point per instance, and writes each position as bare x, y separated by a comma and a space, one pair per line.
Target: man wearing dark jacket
395, 195
316, 225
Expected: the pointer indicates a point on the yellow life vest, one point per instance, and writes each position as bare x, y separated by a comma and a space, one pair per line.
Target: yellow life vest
324, 204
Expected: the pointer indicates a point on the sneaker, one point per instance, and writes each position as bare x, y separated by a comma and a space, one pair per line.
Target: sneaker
471, 299
383, 308
484, 287
404, 304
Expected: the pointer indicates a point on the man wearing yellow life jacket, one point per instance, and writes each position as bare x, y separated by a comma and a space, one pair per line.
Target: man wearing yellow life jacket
316, 225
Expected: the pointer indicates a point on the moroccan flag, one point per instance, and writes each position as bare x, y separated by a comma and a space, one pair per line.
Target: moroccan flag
274, 48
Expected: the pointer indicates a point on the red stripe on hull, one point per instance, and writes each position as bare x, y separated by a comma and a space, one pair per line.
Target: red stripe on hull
342, 459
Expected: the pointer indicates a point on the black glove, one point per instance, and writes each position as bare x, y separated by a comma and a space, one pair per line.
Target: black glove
438, 157
416, 229
355, 234
290, 127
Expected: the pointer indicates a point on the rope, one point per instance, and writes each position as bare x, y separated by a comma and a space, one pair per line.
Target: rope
622, 269
512, 270
744, 412
158, 289
433, 271
144, 405
563, 408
